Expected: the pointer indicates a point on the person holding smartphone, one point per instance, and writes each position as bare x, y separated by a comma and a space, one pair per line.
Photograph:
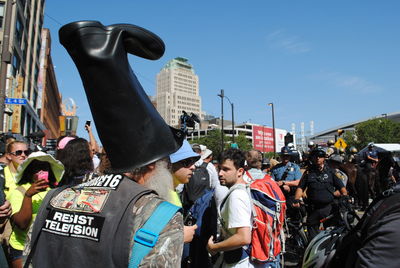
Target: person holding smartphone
35, 177
94, 147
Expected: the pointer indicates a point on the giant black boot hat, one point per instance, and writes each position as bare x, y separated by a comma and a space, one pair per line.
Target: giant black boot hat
131, 130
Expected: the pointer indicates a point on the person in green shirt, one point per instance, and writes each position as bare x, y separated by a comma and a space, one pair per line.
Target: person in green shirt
35, 177
182, 170
16, 153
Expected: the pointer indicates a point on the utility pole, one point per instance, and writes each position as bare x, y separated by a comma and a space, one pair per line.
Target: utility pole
273, 126
221, 95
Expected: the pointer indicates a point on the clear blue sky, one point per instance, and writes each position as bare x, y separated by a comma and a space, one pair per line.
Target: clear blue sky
332, 62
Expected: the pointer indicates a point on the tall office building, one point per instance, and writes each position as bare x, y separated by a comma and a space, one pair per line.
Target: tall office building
20, 36
177, 91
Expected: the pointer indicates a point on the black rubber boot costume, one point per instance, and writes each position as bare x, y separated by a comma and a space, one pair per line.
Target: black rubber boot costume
131, 130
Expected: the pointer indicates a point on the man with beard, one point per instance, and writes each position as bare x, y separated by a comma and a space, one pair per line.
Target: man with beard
236, 212
118, 219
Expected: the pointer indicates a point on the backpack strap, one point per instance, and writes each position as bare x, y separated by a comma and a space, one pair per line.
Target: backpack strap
146, 237
285, 174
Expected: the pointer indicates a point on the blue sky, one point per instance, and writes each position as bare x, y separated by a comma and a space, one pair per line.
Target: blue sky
332, 62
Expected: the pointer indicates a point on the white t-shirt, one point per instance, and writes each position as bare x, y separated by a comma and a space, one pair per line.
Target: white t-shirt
235, 213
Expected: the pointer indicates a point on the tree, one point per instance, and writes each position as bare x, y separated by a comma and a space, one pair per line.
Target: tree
379, 130
243, 143
213, 141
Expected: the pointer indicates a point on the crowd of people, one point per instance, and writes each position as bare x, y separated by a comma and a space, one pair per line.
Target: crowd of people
148, 198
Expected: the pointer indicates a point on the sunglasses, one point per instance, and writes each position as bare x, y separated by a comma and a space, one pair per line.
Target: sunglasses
187, 162
20, 152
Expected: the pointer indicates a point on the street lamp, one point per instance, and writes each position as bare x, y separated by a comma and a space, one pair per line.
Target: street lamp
222, 119
273, 125
233, 122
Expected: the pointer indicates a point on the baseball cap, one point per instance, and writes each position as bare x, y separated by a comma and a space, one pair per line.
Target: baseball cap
184, 152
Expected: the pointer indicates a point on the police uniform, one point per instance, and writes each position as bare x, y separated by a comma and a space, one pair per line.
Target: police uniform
371, 153
93, 225
288, 172
320, 188
293, 172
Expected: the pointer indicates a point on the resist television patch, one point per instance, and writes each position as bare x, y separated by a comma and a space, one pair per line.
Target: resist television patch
74, 225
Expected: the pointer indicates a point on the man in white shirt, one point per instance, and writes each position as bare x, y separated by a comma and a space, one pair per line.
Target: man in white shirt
235, 212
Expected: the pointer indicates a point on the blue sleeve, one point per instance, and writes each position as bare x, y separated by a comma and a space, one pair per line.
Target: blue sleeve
297, 173
273, 173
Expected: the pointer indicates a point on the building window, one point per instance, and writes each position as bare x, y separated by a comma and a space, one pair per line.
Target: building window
16, 62
1, 14
35, 97
19, 28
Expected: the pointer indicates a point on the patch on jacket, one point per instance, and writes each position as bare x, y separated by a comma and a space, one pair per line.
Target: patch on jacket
88, 200
74, 225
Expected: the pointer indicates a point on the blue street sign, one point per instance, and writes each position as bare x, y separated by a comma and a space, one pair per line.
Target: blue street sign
16, 101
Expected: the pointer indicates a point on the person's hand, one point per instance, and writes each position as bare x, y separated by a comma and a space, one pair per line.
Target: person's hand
88, 128
286, 188
39, 185
188, 233
5, 210
210, 246
280, 183
296, 203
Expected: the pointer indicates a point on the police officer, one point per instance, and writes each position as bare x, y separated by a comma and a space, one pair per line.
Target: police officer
287, 174
371, 156
321, 184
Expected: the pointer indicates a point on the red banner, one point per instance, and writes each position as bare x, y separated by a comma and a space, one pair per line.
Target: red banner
263, 139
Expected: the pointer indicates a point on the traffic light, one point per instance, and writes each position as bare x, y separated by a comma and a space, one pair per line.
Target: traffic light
340, 132
288, 138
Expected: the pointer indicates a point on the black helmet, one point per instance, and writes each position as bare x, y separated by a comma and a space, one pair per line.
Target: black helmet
286, 151
318, 151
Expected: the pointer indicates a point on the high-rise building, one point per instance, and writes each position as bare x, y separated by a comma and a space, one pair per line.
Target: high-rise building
20, 36
49, 101
177, 91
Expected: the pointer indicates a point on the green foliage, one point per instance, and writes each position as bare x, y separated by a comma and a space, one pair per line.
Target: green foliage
379, 130
243, 143
213, 141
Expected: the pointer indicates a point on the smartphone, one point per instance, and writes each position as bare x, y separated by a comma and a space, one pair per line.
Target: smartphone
2, 195
44, 175
87, 123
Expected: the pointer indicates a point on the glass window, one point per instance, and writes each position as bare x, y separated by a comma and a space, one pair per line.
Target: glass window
19, 28
35, 96
1, 14
16, 62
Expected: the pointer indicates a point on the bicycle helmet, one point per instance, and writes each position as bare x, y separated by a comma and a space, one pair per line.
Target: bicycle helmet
311, 144
322, 246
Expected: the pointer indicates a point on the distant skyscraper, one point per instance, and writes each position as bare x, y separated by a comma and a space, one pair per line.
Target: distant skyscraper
177, 91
